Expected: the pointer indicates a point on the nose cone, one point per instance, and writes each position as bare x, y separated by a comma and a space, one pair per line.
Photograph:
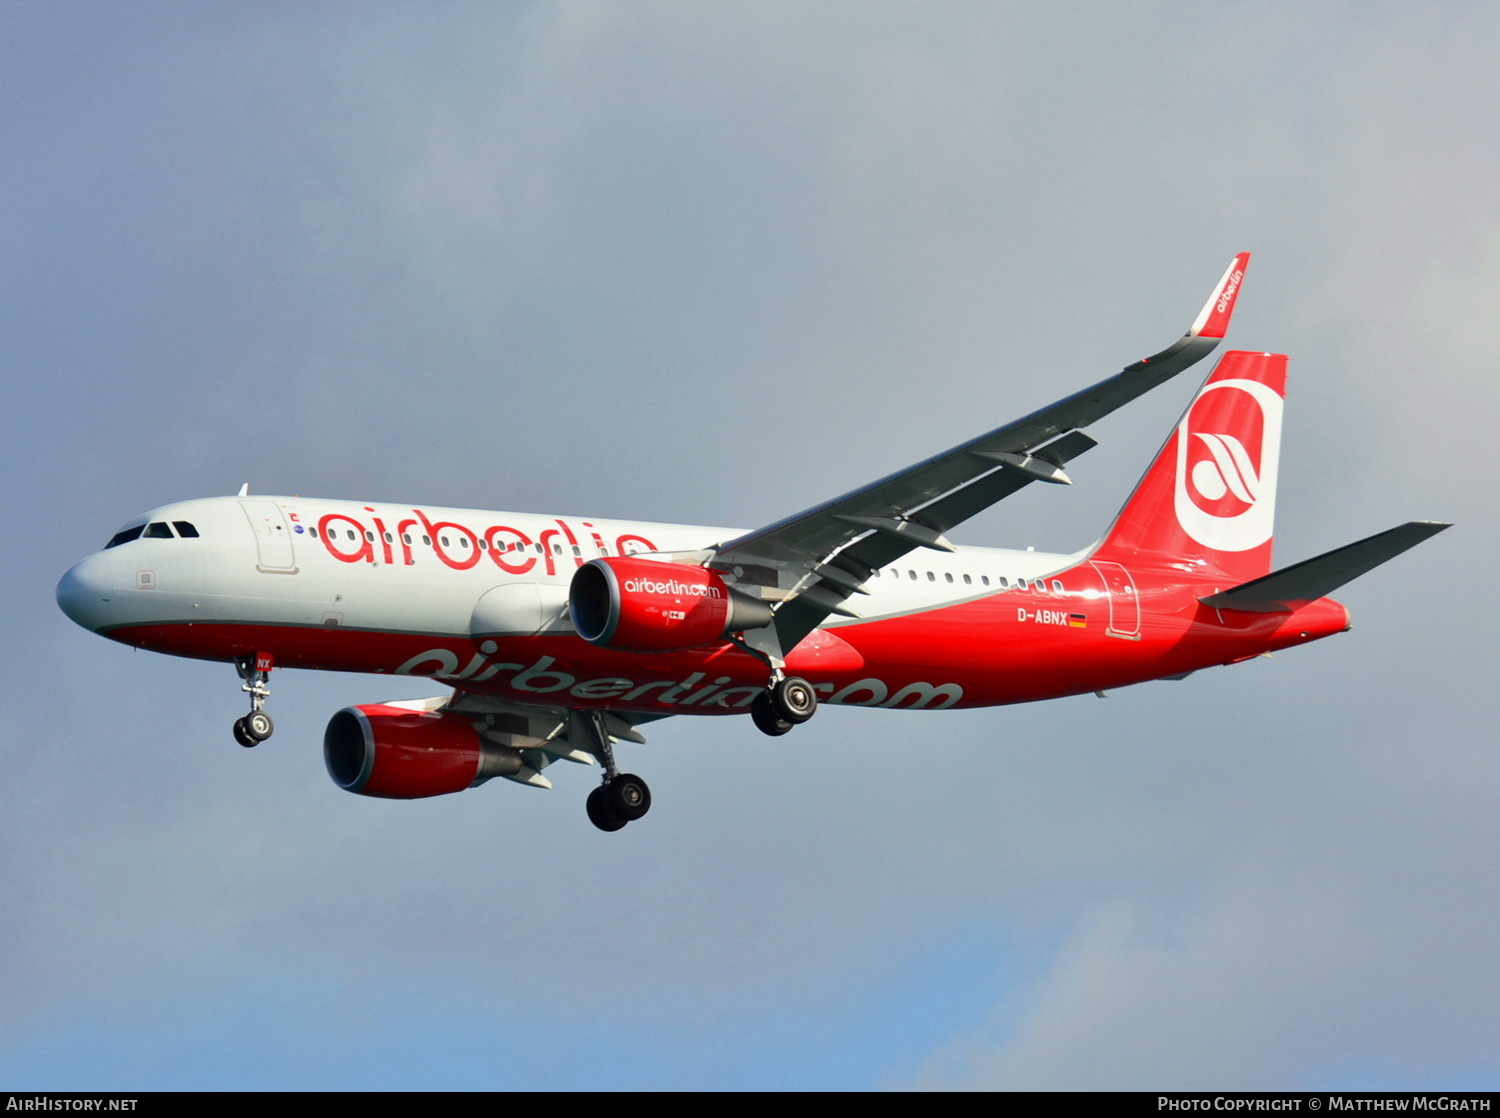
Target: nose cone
85, 592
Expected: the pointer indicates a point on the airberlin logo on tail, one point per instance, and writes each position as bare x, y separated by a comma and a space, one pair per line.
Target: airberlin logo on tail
1228, 446
1229, 470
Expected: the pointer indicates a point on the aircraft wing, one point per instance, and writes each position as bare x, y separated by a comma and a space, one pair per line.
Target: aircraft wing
543, 734
809, 564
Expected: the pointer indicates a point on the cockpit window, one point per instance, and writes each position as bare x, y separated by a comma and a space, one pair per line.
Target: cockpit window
157, 530
125, 535
185, 530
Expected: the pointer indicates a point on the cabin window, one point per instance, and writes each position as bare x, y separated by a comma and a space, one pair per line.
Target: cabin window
406, 537
912, 575
1004, 582
313, 532
185, 530
1056, 586
947, 575
426, 541
369, 536
986, 579
968, 581
483, 546
389, 538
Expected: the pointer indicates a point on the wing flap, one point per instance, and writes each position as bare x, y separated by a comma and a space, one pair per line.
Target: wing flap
543, 734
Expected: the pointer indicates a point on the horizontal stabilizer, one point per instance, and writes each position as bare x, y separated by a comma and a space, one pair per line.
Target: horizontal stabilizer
1295, 586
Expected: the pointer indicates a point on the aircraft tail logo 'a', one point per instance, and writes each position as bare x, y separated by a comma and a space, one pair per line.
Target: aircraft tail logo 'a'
1210, 495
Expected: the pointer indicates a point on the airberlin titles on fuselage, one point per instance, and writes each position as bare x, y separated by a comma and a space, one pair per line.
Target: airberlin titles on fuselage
545, 677
511, 549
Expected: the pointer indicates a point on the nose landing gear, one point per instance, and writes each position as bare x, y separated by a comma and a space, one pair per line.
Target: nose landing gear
256, 726
253, 729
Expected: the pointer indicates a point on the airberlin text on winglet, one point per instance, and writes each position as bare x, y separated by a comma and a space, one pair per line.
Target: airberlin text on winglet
1229, 289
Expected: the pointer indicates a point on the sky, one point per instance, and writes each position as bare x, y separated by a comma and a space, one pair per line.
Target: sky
714, 264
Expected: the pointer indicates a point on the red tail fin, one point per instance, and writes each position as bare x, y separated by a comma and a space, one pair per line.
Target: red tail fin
1210, 497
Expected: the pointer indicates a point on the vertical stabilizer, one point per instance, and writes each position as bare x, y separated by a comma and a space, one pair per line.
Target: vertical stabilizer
1209, 498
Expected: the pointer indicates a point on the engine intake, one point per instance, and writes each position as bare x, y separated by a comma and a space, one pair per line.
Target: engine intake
652, 606
400, 753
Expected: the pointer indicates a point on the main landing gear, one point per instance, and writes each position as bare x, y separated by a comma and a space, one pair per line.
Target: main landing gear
622, 797
788, 702
256, 726
620, 800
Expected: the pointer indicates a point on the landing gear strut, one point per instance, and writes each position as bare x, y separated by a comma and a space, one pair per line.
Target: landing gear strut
256, 726
623, 797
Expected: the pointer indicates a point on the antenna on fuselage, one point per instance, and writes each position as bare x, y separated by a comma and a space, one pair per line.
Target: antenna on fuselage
244, 490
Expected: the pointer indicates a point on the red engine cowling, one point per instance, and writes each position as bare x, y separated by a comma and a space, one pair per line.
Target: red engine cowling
653, 606
400, 752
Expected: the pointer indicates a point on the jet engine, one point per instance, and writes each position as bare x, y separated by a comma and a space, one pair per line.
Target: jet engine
397, 752
652, 606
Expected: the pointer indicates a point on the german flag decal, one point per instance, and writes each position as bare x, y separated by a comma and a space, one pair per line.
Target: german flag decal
1078, 621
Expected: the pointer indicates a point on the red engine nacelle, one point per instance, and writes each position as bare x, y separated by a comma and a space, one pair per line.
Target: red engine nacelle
652, 606
400, 753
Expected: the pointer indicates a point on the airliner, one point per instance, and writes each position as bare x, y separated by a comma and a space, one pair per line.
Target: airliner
560, 636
